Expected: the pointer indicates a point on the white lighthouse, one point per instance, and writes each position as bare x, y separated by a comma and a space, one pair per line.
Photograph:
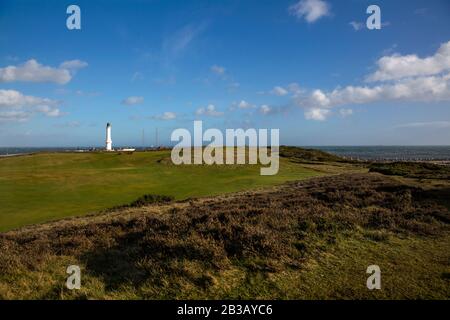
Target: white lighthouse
108, 137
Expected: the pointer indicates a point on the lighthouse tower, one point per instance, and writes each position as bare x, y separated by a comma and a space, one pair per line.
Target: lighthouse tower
108, 137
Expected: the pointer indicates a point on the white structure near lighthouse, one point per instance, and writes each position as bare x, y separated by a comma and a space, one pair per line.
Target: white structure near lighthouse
108, 137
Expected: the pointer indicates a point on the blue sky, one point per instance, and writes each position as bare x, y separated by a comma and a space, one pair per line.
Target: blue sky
310, 68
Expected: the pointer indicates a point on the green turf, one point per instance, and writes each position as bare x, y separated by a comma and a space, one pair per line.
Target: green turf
47, 186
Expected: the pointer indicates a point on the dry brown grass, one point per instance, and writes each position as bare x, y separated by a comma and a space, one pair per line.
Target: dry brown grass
168, 247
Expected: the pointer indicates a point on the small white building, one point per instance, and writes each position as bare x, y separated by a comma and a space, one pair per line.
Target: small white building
108, 137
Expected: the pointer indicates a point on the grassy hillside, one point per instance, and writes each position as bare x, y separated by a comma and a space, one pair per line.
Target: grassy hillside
47, 186
420, 170
304, 239
307, 155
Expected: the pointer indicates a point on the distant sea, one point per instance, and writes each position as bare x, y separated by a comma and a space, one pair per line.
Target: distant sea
355, 152
406, 153
10, 151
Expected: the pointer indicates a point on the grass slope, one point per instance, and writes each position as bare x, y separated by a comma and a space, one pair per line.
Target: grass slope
304, 239
419, 170
47, 186
307, 155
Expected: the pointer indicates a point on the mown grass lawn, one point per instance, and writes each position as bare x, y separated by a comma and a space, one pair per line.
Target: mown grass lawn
47, 186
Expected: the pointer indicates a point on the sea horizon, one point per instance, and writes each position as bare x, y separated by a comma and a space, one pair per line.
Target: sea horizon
363, 152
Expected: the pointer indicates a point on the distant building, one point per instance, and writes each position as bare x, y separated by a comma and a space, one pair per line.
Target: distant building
108, 137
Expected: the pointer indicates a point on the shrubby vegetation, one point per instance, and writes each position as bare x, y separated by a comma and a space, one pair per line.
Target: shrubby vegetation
421, 170
307, 155
146, 200
247, 245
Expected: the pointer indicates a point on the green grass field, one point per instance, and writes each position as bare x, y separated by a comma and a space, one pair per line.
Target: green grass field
310, 239
47, 186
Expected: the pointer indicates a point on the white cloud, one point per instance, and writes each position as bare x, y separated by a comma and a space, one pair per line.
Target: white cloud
210, 110
241, 105
317, 114
14, 116
73, 64
357, 25
279, 91
265, 109
49, 111
429, 124
244, 105
15, 99
218, 69
295, 88
390, 50
132, 100
425, 89
416, 80
397, 66
166, 116
33, 71
310, 10
274, 110
345, 112
15, 106
318, 98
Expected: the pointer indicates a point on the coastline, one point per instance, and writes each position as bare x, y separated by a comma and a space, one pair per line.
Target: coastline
16, 155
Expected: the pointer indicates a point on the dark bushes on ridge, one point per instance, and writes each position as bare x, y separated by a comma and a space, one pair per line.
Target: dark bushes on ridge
420, 170
306, 155
146, 199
